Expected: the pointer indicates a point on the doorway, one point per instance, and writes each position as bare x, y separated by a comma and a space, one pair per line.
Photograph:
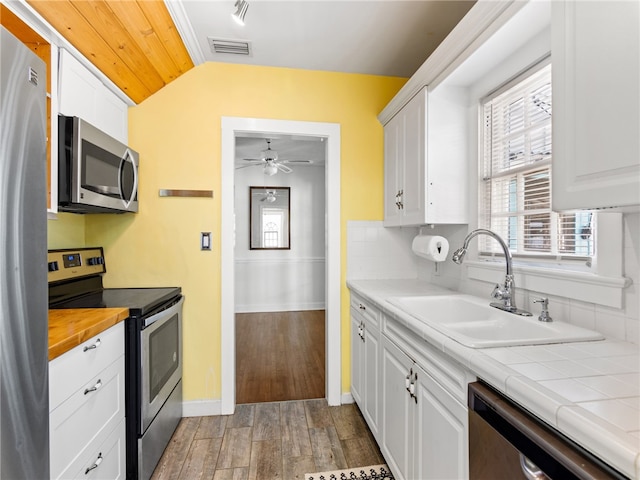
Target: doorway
280, 212
231, 127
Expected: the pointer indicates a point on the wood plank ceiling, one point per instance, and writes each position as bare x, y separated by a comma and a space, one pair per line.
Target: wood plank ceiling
134, 42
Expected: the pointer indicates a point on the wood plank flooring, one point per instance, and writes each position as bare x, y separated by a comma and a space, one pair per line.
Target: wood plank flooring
282, 440
280, 356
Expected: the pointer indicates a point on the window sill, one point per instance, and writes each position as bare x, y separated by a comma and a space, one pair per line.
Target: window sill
586, 287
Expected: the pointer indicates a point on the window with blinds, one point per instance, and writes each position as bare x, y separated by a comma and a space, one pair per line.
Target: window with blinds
515, 175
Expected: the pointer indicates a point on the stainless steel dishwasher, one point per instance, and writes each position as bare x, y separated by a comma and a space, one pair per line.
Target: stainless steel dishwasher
506, 442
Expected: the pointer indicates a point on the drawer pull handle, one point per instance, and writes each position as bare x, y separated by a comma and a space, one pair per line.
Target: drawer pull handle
94, 388
95, 465
361, 307
92, 347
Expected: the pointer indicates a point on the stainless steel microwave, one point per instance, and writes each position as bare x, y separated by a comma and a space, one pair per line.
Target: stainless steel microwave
96, 172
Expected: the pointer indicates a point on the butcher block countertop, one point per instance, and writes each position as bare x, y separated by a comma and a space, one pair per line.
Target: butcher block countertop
68, 328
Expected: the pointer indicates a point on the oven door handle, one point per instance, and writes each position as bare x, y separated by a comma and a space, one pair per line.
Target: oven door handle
163, 313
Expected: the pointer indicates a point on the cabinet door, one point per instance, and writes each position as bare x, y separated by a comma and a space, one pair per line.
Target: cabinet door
596, 93
397, 411
393, 169
413, 182
372, 379
357, 355
441, 450
83, 95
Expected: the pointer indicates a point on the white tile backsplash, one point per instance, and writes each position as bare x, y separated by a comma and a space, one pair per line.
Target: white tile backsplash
376, 252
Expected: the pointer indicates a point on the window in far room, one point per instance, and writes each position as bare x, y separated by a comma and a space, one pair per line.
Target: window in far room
515, 177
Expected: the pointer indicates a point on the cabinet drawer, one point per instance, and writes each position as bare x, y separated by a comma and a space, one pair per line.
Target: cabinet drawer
450, 374
69, 372
367, 309
108, 459
85, 418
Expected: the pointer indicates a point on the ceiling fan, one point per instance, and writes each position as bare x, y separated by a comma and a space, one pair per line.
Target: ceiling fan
269, 161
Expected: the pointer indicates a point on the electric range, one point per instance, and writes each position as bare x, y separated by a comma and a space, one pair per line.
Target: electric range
153, 349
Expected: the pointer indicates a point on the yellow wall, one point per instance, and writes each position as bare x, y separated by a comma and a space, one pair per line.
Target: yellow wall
177, 132
66, 231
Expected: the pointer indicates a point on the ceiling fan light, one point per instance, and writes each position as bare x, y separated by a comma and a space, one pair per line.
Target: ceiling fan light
270, 169
271, 198
241, 10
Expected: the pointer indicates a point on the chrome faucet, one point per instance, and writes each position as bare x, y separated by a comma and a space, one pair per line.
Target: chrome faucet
505, 292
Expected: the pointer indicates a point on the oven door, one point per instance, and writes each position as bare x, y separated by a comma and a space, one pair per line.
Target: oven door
161, 361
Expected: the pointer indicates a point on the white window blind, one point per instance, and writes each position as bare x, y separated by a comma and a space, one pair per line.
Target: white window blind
515, 175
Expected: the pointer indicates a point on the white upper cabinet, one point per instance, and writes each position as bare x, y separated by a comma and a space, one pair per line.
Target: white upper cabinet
596, 104
83, 95
425, 178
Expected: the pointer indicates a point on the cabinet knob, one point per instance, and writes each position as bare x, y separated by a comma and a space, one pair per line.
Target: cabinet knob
361, 307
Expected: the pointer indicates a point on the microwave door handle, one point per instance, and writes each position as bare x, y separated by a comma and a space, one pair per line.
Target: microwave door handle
128, 155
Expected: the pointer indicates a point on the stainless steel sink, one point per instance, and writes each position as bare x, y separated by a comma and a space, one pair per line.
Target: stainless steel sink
472, 322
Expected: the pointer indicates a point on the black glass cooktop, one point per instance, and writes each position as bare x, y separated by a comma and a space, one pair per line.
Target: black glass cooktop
139, 301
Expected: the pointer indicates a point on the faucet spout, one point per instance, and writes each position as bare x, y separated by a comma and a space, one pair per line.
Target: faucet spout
505, 292
494, 235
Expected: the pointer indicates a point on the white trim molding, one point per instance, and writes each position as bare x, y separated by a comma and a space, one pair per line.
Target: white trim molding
185, 30
603, 284
333, 352
586, 287
201, 408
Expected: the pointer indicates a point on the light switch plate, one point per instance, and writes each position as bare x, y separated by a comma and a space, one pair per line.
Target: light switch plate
205, 240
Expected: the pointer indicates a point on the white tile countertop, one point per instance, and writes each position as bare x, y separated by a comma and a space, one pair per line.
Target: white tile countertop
589, 391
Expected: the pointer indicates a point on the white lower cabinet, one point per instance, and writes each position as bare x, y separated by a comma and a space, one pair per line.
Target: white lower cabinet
87, 411
398, 411
441, 449
424, 427
365, 358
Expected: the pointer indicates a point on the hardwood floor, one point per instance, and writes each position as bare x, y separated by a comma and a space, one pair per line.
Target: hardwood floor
280, 356
282, 440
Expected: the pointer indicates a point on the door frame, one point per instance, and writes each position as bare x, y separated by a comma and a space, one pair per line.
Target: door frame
333, 356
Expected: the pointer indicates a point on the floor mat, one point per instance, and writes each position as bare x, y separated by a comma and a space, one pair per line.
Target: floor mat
372, 472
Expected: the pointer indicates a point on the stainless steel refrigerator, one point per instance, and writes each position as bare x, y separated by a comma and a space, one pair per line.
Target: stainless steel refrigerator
24, 380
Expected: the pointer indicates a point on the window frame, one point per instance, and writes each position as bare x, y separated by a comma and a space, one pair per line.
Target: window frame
598, 279
514, 187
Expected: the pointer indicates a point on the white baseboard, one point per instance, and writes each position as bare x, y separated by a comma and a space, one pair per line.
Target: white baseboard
201, 408
206, 408
289, 307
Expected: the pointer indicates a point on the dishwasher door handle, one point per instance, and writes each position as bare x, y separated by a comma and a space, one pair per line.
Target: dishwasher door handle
531, 470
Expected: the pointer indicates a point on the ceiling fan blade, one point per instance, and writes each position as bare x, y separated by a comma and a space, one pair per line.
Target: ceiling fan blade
253, 160
283, 168
297, 162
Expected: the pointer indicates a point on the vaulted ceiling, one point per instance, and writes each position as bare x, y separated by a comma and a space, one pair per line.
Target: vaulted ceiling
142, 46
134, 42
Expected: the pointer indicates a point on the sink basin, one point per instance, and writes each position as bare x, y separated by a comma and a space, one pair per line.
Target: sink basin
472, 322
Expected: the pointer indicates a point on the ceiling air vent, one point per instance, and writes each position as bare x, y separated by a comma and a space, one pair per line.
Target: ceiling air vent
234, 47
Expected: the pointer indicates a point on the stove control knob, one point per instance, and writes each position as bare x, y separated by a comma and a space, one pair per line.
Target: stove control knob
53, 266
96, 261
